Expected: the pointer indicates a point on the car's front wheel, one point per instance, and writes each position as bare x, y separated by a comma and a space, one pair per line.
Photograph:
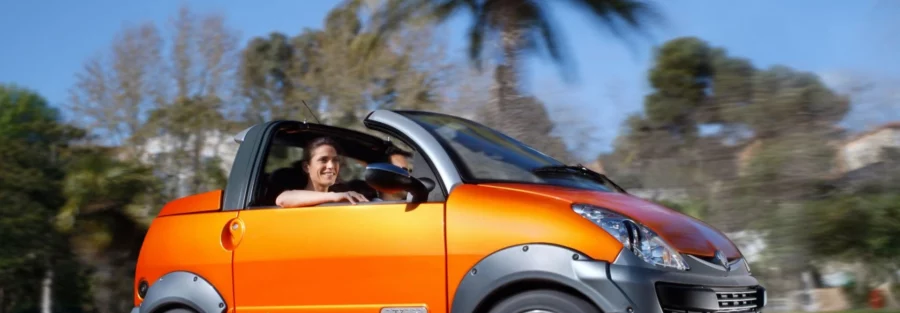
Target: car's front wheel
544, 301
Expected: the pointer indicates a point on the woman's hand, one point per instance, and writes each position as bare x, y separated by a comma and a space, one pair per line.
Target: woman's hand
351, 196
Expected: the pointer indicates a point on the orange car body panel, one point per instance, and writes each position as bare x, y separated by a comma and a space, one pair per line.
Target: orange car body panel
192, 243
341, 258
204, 202
686, 234
482, 219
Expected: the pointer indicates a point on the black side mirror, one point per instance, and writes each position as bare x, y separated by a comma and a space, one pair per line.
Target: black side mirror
389, 178
429, 184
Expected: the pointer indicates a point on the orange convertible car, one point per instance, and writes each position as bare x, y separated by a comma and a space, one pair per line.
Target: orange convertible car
488, 225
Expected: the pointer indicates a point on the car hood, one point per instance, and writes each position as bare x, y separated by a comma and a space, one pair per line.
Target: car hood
685, 233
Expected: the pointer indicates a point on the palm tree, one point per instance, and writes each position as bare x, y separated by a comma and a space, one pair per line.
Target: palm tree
519, 26
105, 217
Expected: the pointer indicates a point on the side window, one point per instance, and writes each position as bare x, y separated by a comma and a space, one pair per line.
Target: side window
285, 156
279, 165
352, 169
279, 174
282, 156
282, 170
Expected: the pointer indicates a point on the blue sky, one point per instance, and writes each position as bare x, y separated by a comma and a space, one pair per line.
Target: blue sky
46, 43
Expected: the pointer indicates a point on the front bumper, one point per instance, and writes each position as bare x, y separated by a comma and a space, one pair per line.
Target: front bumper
631, 285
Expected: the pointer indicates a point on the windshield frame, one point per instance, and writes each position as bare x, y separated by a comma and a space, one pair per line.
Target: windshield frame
520, 151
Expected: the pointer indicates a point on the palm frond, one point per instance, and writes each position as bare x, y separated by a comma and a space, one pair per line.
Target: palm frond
638, 14
548, 35
443, 10
96, 183
390, 18
476, 36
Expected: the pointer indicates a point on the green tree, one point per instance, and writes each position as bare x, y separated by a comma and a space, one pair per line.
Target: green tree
186, 127
680, 78
694, 84
792, 117
856, 228
772, 152
789, 115
177, 102
105, 218
271, 78
324, 67
662, 147
34, 144
160, 102
873, 235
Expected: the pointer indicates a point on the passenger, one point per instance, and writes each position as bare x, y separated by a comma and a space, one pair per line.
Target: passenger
399, 158
321, 162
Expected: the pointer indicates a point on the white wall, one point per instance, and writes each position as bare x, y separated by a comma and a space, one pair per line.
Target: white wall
217, 144
867, 150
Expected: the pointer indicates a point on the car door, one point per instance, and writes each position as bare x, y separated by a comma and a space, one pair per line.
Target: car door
341, 257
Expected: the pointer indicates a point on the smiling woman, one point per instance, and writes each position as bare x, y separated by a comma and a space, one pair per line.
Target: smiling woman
322, 164
321, 161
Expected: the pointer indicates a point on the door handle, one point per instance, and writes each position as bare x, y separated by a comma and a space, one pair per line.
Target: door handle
232, 233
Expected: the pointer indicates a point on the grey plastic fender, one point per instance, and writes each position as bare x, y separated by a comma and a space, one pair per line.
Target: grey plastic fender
183, 288
544, 262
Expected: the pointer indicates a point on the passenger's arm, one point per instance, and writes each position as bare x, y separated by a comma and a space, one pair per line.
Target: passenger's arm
302, 198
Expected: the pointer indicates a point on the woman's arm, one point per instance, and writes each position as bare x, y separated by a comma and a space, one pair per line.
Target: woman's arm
302, 198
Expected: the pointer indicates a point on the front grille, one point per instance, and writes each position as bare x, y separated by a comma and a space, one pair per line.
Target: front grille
737, 300
699, 299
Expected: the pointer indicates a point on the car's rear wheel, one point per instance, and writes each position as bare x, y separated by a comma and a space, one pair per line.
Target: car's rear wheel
544, 301
179, 310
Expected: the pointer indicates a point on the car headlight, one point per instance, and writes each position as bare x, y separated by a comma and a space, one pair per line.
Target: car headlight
637, 238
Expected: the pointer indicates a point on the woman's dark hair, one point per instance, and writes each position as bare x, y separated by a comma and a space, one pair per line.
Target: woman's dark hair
318, 142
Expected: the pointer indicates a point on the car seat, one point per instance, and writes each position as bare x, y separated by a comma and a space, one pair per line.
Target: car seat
282, 179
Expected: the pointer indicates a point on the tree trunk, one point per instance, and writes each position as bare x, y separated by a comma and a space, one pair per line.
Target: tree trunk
501, 109
102, 291
46, 291
197, 163
862, 278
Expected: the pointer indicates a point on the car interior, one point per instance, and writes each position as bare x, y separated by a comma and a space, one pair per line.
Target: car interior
282, 164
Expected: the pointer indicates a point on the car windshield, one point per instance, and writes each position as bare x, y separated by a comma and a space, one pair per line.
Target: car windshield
485, 155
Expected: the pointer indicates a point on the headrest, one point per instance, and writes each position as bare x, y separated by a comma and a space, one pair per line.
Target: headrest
289, 178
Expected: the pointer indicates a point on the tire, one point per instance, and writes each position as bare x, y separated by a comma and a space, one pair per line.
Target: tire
544, 301
179, 310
